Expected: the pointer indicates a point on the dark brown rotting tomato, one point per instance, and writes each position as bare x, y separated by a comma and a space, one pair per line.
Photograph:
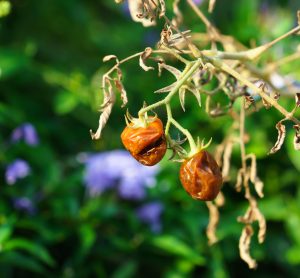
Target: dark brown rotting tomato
146, 144
201, 177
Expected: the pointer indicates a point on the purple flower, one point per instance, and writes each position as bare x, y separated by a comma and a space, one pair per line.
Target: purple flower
198, 2
17, 170
150, 214
24, 204
117, 169
25, 132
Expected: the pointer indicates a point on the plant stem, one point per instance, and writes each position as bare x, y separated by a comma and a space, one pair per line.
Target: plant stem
184, 131
188, 135
188, 71
170, 116
242, 135
221, 65
175, 54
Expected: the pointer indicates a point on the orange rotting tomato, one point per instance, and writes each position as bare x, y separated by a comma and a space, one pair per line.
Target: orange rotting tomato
201, 177
146, 144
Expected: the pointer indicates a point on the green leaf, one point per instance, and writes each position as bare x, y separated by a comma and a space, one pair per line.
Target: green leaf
293, 225
11, 62
88, 237
33, 248
65, 102
126, 270
5, 232
177, 247
293, 255
274, 208
12, 258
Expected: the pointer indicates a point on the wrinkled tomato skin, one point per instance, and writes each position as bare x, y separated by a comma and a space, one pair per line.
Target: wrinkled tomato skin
201, 177
147, 145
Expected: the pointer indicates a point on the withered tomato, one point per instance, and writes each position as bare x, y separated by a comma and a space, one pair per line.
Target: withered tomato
146, 144
201, 177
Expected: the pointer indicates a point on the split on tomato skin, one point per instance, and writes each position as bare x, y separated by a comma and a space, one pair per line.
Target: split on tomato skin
146, 144
201, 177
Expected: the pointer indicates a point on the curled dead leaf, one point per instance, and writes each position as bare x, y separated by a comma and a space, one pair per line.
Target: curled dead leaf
248, 100
177, 73
281, 136
110, 57
244, 246
143, 57
122, 91
297, 138
226, 160
297, 99
258, 184
162, 8
165, 89
106, 107
213, 223
143, 11
253, 214
181, 94
239, 180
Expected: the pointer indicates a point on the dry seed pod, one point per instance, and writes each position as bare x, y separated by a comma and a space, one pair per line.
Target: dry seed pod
146, 144
201, 177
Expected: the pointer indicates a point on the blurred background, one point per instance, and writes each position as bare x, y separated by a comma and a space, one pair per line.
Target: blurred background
71, 207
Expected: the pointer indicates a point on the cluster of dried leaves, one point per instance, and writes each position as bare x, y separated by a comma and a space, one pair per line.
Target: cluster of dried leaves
235, 73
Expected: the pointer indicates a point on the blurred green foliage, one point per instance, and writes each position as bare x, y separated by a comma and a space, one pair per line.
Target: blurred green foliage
50, 70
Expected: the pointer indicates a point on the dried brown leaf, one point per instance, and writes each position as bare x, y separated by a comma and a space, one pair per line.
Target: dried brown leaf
253, 214
239, 180
248, 100
263, 86
253, 168
281, 136
226, 160
213, 223
177, 73
259, 186
297, 99
179, 38
211, 5
220, 200
110, 57
143, 57
297, 138
166, 89
261, 224
182, 92
122, 91
244, 246
119, 74
106, 107
143, 12
219, 153
165, 35
162, 8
